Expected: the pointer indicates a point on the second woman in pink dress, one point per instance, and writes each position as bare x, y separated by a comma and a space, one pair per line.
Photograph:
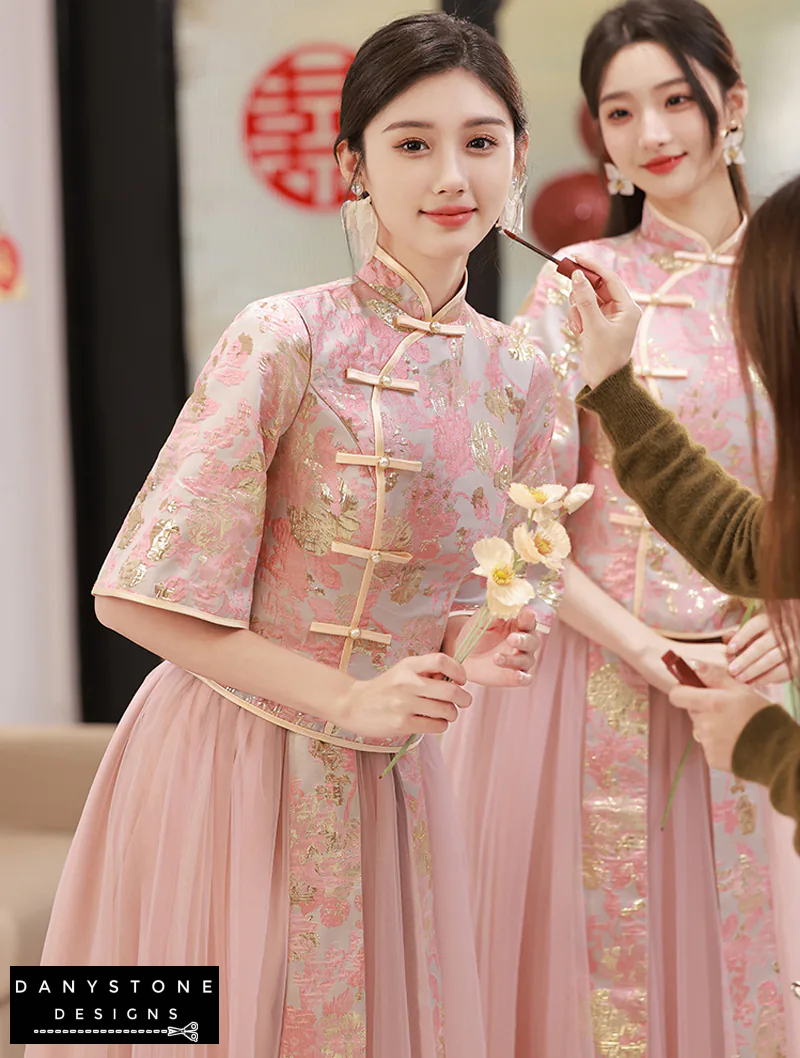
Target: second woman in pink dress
598, 933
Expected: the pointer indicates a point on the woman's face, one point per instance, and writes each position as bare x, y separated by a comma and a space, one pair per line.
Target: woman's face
654, 131
438, 164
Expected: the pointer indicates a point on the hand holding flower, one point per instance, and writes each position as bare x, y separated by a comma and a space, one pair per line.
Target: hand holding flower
498, 645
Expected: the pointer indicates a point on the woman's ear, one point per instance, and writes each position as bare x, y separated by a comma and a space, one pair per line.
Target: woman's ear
521, 154
737, 102
349, 162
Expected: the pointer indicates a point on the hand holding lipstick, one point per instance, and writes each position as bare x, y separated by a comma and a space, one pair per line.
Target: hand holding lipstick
607, 330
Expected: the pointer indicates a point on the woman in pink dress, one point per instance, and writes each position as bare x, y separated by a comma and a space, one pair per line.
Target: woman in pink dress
599, 933
295, 555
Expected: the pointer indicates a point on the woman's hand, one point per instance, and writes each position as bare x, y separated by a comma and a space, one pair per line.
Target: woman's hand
652, 668
505, 653
608, 331
754, 654
719, 712
410, 698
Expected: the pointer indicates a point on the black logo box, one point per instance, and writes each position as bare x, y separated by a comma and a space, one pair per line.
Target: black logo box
101, 1004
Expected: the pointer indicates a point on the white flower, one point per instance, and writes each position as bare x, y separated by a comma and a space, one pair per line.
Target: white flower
544, 500
732, 150
577, 496
506, 593
617, 183
549, 544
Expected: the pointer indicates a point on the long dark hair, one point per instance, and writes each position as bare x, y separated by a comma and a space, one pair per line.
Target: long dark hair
688, 31
766, 322
403, 52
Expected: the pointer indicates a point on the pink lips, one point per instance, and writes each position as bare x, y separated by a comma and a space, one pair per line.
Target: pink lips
450, 216
664, 164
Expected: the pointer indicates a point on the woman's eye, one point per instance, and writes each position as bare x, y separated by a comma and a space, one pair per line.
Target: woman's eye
676, 101
412, 146
618, 114
482, 143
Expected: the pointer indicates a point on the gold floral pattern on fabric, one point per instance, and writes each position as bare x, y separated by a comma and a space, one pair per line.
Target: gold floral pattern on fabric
614, 1035
483, 442
499, 402
325, 1009
132, 524
624, 709
520, 348
315, 526
667, 262
162, 539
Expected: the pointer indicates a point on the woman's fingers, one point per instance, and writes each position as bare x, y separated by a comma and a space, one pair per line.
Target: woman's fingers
745, 635
438, 664
443, 691
752, 654
584, 299
769, 668
616, 288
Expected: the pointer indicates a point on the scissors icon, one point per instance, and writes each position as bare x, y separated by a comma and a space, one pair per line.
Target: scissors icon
190, 1031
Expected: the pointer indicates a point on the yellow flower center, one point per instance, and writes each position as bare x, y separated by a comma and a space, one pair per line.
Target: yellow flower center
502, 575
543, 545
538, 495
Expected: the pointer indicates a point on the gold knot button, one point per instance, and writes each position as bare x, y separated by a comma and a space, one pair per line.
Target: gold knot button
435, 327
355, 633
383, 461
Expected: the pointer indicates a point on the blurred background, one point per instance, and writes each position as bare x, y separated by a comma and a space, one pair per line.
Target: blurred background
162, 163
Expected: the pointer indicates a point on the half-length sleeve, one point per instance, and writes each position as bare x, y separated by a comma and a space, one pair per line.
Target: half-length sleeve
543, 320
532, 465
192, 538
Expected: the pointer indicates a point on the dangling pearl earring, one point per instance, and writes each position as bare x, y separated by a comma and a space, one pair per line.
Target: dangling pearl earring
617, 183
513, 215
732, 140
360, 223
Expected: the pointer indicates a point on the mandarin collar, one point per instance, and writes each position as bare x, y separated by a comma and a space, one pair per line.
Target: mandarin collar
657, 228
395, 284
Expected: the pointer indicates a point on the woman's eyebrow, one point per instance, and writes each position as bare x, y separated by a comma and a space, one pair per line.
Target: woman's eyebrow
664, 84
471, 124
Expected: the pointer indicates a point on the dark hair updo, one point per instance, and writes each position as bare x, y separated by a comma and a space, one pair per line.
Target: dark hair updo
405, 51
689, 32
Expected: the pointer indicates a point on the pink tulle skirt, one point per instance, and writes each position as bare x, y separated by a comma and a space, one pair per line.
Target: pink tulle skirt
616, 937
334, 902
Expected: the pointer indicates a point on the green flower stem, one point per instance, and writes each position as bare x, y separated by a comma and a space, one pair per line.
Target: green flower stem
675, 781
748, 613
480, 622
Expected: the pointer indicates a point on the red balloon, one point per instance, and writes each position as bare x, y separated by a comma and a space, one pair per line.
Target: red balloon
589, 130
571, 208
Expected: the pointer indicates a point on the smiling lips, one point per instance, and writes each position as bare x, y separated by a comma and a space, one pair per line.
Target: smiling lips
450, 216
664, 164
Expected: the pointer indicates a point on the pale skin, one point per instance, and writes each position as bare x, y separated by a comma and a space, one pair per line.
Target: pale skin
719, 714
646, 111
462, 152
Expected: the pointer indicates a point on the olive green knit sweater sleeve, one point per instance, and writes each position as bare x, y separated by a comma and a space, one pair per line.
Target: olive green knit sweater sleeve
686, 496
768, 752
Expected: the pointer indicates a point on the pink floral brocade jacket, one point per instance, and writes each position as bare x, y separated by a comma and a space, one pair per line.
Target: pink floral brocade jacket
323, 486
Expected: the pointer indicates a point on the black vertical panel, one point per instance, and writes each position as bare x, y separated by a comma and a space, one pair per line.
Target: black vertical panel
123, 280
484, 261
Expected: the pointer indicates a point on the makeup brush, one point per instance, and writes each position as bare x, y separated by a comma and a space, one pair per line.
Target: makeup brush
565, 267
